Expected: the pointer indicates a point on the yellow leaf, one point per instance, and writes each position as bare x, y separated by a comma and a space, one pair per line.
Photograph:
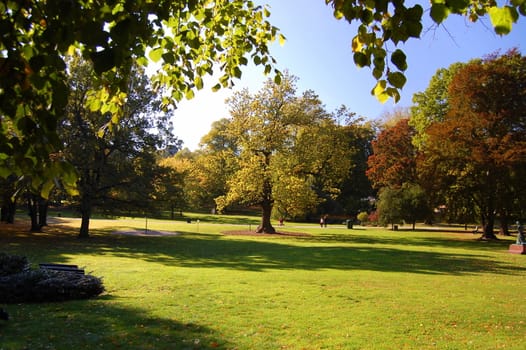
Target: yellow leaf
282, 40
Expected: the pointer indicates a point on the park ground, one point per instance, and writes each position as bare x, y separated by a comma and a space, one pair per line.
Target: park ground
179, 285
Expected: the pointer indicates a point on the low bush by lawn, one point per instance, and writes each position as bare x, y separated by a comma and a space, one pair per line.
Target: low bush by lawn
334, 288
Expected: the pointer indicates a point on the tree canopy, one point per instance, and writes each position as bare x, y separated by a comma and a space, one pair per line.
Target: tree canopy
478, 151
291, 152
187, 39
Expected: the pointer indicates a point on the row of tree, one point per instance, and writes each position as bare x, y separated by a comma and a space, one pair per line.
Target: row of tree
283, 152
460, 152
188, 40
461, 147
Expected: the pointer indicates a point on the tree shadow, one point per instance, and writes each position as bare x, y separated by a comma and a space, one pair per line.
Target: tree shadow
329, 251
106, 325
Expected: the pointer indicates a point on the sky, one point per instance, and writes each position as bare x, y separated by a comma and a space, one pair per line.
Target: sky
318, 52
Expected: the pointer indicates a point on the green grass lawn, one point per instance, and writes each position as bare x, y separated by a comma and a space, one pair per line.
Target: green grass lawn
336, 289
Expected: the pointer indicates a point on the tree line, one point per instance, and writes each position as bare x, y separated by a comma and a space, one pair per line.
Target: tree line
460, 149
189, 40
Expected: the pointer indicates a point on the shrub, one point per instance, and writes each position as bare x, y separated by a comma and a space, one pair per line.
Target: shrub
27, 285
11, 264
373, 218
363, 217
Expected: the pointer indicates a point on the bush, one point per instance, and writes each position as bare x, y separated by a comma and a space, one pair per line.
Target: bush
28, 285
11, 264
363, 217
373, 218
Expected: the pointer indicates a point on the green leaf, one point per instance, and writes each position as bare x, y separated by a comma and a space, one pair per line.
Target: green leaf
458, 6
396, 79
189, 94
198, 81
399, 59
360, 59
156, 54
439, 12
503, 18
46, 188
277, 79
377, 73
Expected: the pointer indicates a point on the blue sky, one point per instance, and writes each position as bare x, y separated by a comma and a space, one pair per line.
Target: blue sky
318, 51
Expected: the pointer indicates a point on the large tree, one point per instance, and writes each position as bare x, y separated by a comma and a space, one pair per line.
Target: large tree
118, 165
289, 150
479, 150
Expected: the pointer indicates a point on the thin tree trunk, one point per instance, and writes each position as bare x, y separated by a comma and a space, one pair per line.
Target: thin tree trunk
85, 209
42, 211
267, 202
32, 207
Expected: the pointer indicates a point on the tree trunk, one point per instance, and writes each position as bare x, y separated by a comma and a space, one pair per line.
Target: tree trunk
85, 210
9, 210
504, 226
489, 225
32, 206
267, 201
42, 211
266, 225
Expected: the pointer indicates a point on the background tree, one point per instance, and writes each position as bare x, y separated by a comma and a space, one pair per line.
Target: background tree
215, 163
480, 147
389, 206
393, 161
407, 203
432, 105
115, 165
172, 187
288, 149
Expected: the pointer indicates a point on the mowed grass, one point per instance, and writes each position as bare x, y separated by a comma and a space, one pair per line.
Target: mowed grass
336, 289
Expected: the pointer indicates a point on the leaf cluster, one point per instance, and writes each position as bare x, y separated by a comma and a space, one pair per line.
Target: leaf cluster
393, 21
188, 40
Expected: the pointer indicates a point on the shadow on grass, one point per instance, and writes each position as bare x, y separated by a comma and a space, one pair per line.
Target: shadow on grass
107, 325
345, 252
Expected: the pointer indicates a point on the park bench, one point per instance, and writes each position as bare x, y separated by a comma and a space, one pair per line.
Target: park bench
62, 267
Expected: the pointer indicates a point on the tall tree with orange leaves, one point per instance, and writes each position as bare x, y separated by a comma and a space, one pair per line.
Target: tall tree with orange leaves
478, 152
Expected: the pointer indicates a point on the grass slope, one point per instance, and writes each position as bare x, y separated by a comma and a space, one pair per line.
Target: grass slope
337, 289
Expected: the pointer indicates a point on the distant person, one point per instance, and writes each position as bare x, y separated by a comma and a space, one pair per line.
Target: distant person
322, 221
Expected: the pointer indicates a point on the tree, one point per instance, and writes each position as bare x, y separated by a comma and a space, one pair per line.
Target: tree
432, 105
393, 161
392, 22
479, 149
215, 163
357, 190
288, 150
187, 39
407, 203
118, 165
